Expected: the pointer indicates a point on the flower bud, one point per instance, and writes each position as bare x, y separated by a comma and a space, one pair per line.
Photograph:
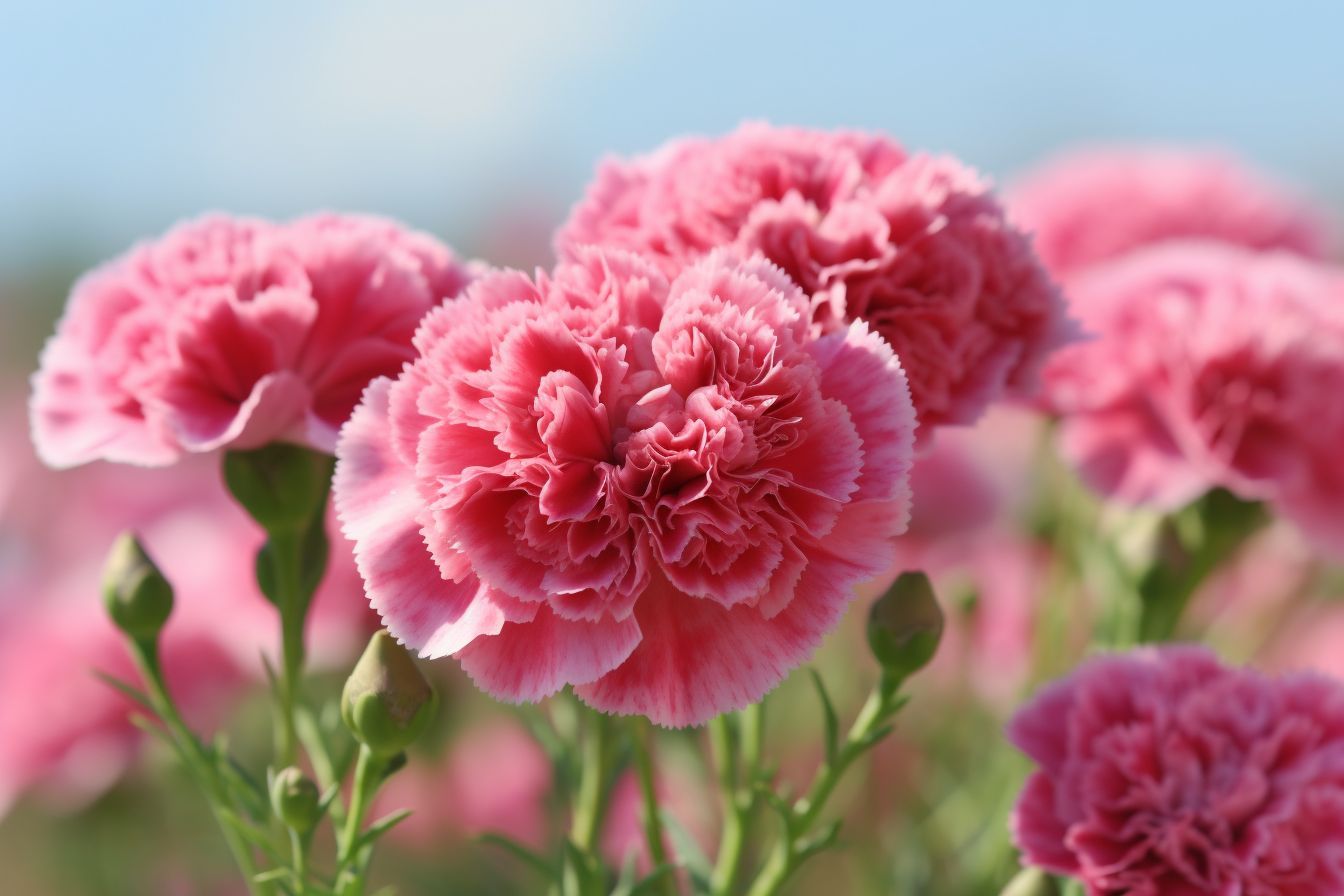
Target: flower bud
1031, 882
905, 625
136, 595
387, 703
294, 799
283, 487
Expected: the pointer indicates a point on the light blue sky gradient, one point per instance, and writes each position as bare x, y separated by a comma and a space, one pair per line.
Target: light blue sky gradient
120, 117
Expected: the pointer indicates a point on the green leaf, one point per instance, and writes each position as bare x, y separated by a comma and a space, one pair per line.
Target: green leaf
249, 833
533, 860
828, 716
579, 876
129, 690
688, 852
382, 826
651, 882
779, 804
820, 841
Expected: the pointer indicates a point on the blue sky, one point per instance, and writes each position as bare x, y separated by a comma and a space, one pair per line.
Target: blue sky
119, 118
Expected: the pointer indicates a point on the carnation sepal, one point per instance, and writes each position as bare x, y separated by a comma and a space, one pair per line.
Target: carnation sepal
281, 486
136, 595
904, 628
387, 702
1187, 547
295, 799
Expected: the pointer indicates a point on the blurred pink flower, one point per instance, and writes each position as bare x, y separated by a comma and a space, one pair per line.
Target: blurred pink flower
233, 332
494, 779
1164, 773
917, 246
1211, 366
681, 794
689, 484
66, 735
1093, 205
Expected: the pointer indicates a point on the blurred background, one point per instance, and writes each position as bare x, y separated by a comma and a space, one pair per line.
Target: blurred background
480, 122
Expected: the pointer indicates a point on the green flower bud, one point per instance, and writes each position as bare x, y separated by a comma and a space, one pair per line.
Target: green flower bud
1031, 882
283, 487
136, 595
294, 799
905, 625
387, 703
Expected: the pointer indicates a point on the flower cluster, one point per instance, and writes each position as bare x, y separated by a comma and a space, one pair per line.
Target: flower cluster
915, 245
1212, 366
233, 332
1164, 772
661, 493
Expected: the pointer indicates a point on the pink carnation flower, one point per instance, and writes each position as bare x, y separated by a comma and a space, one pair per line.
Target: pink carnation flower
915, 245
231, 332
1164, 773
659, 494
1212, 366
1093, 205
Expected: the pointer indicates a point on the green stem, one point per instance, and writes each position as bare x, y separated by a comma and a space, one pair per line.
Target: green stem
350, 867
641, 738
286, 554
197, 760
298, 847
790, 850
590, 804
733, 836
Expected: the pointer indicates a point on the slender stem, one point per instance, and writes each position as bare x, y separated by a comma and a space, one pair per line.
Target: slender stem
590, 804
197, 760
350, 867
368, 771
790, 849
733, 836
641, 737
286, 553
298, 847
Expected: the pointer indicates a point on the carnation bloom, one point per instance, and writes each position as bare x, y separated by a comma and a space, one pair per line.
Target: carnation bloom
1211, 366
233, 332
1164, 773
915, 245
1093, 205
661, 494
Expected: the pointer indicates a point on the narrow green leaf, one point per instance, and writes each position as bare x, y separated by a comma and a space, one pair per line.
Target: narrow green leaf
533, 860
651, 882
382, 826
828, 715
688, 852
128, 690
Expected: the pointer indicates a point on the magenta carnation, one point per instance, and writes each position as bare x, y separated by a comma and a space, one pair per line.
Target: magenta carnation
1212, 366
1163, 773
231, 332
662, 495
917, 246
1092, 205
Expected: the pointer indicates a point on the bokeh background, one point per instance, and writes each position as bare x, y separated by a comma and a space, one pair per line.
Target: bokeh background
481, 122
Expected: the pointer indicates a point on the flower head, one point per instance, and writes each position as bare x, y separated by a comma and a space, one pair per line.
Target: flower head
1212, 366
917, 246
659, 493
1163, 772
233, 332
1093, 205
